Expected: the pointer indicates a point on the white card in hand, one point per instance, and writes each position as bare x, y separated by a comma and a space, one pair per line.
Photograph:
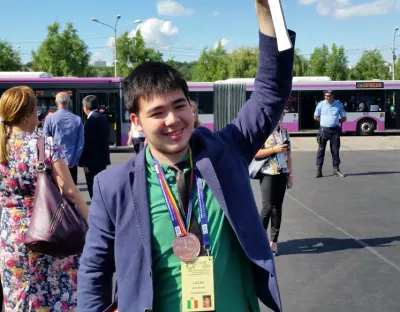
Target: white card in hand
282, 35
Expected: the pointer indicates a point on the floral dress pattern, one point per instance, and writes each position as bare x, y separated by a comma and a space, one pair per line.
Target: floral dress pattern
31, 281
272, 165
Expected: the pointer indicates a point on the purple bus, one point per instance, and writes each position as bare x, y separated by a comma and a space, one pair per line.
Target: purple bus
108, 91
370, 105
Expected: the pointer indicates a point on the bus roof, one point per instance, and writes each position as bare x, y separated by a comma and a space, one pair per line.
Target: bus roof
25, 75
59, 80
295, 79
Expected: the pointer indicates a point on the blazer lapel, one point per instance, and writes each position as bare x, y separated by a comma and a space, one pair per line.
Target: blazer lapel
207, 171
139, 194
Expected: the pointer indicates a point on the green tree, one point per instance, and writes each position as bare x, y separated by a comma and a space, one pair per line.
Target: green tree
185, 68
212, 65
10, 60
243, 63
397, 69
132, 51
336, 67
103, 71
62, 53
301, 64
319, 61
370, 66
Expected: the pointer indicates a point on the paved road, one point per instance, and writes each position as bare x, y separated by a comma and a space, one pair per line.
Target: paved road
340, 238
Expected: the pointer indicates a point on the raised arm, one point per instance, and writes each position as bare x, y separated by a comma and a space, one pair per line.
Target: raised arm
272, 88
97, 261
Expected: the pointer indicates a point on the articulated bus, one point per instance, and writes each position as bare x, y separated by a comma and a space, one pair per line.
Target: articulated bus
370, 105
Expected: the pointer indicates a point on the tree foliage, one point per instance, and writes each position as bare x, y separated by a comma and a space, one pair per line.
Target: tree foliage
243, 63
10, 60
370, 66
336, 67
319, 61
212, 65
132, 51
62, 53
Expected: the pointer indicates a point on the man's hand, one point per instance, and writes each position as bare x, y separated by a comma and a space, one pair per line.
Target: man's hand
264, 18
86, 169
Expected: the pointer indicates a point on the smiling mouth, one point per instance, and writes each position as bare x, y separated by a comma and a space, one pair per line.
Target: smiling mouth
174, 133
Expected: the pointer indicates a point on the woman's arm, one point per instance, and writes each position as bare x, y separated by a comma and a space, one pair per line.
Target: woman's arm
265, 152
68, 189
276, 149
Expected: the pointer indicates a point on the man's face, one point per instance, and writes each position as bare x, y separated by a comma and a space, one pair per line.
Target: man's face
167, 121
329, 97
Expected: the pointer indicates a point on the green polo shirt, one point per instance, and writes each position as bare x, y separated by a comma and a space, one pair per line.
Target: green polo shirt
233, 279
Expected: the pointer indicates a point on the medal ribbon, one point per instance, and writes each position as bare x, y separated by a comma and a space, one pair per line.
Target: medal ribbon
180, 226
175, 215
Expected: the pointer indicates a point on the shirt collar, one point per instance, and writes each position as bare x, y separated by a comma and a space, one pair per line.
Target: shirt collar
91, 113
150, 164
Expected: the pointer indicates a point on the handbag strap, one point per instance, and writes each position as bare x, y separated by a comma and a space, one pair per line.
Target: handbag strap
41, 152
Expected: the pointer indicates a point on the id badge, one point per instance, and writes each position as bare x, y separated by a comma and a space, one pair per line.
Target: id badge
198, 285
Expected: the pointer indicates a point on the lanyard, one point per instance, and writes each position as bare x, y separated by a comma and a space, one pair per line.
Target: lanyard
182, 228
203, 215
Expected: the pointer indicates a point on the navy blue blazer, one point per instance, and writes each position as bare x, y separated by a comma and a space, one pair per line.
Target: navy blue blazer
119, 237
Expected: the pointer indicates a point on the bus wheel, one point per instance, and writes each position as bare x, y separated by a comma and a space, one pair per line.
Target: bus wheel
366, 127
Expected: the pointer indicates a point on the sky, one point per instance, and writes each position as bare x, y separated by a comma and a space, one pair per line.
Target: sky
181, 29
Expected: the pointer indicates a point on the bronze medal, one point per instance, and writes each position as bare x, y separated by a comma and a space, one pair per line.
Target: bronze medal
186, 248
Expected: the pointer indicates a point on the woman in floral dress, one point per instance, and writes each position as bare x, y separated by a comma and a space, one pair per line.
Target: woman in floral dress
276, 176
31, 281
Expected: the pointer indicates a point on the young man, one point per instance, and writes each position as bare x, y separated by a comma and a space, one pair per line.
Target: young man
135, 223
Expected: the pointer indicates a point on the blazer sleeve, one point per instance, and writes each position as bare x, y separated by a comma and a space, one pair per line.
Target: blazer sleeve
97, 265
272, 88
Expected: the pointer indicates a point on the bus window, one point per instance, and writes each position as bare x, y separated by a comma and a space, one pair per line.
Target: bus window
248, 94
204, 101
47, 99
362, 100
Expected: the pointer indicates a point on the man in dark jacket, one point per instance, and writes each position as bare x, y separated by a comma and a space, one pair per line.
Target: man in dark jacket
96, 152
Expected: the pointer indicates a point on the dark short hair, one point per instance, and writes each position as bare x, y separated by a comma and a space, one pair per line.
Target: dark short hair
90, 102
329, 91
150, 79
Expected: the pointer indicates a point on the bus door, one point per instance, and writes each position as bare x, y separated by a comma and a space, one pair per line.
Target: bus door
308, 102
108, 106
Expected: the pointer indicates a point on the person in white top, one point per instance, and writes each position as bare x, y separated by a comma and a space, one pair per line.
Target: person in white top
136, 138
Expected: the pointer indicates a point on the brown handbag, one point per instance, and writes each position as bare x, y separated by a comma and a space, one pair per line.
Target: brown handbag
56, 227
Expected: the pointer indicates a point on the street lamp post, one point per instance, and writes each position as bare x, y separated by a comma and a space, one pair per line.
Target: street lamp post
393, 52
115, 28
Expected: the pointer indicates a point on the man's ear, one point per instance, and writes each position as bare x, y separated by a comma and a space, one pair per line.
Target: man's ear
136, 122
